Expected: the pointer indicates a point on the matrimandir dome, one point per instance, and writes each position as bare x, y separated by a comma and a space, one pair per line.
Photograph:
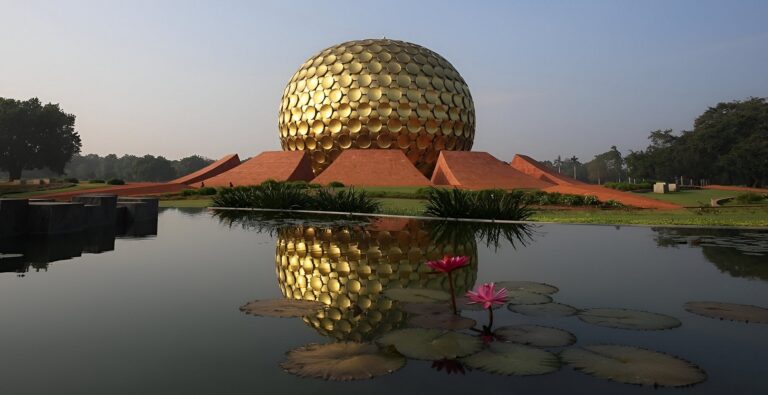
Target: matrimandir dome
376, 94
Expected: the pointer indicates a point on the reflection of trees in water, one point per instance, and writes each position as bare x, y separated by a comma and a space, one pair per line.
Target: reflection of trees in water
39, 251
740, 253
347, 264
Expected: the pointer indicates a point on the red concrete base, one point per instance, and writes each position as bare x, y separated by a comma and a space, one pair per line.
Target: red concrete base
480, 170
220, 166
269, 165
372, 167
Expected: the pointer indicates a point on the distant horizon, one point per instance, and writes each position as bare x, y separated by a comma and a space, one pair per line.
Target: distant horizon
179, 79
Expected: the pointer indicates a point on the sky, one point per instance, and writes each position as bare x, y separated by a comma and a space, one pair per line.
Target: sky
548, 78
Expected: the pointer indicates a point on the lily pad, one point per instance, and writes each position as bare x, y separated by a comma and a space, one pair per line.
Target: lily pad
527, 297
282, 308
431, 344
544, 310
628, 319
342, 361
417, 295
729, 311
529, 286
447, 321
535, 335
513, 359
633, 365
426, 308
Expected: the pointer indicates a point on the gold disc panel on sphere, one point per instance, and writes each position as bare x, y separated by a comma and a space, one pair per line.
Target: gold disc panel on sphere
376, 94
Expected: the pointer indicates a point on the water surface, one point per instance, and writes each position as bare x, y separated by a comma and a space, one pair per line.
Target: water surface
159, 313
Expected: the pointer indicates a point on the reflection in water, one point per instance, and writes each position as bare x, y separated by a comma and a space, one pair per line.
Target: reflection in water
39, 251
347, 264
348, 267
738, 253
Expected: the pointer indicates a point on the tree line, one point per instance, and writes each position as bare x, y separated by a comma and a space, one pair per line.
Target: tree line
727, 145
126, 167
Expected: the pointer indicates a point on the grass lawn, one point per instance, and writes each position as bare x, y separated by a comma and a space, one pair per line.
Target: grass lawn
692, 197
182, 203
402, 206
737, 216
45, 191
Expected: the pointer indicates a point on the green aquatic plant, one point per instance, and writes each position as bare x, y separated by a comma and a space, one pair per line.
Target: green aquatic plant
344, 200
633, 365
486, 204
343, 361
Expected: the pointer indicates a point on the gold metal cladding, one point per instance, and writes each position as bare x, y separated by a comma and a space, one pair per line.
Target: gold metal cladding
364, 109
379, 93
384, 109
344, 110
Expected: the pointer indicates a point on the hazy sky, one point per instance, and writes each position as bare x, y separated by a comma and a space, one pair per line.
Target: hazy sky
183, 77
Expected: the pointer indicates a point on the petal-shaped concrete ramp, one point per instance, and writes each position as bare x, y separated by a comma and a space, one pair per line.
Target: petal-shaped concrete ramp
480, 170
372, 167
268, 165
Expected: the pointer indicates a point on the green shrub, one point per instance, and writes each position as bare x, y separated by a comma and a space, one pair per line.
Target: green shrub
335, 184
188, 192
72, 180
272, 195
116, 181
344, 200
625, 186
612, 204
487, 204
591, 200
749, 198
96, 181
206, 191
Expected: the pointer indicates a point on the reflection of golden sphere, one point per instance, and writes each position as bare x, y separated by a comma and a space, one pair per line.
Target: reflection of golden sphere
348, 269
383, 94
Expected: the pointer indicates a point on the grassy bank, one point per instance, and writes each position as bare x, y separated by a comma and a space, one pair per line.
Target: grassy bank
28, 191
737, 216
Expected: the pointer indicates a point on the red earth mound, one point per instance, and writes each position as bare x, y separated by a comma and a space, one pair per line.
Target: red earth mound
372, 167
533, 168
269, 165
220, 166
734, 188
132, 189
480, 170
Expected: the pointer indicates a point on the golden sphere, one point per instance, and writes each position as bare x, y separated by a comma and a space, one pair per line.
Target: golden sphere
376, 94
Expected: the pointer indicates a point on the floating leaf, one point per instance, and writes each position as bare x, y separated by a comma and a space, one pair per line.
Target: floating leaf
729, 311
535, 335
628, 319
526, 297
633, 365
426, 308
529, 286
11, 256
342, 361
513, 359
431, 344
446, 320
417, 295
282, 308
544, 310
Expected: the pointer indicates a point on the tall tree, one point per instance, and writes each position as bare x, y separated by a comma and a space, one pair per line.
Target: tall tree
34, 136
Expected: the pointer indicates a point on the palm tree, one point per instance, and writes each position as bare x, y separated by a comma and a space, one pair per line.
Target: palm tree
574, 161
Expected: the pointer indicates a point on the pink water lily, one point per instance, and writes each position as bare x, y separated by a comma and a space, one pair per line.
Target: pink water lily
448, 263
487, 295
